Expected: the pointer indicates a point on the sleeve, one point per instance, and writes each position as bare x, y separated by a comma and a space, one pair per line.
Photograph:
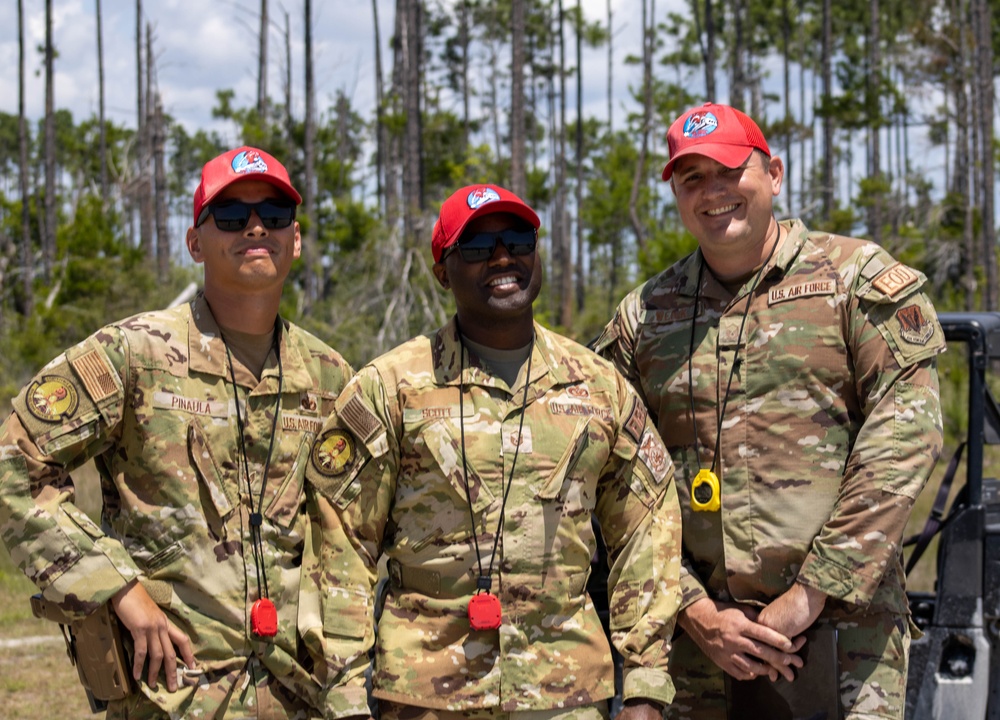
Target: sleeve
617, 344
640, 519
68, 414
350, 481
894, 337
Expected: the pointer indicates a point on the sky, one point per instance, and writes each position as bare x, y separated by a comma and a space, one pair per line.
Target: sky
202, 46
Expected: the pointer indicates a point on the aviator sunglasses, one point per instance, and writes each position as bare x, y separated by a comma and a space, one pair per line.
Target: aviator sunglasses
481, 246
233, 215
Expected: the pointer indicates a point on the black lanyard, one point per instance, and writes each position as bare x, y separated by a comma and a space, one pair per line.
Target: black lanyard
736, 358
256, 515
485, 580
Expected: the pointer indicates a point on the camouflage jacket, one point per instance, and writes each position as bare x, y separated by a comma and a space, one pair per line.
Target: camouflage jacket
393, 464
832, 420
151, 401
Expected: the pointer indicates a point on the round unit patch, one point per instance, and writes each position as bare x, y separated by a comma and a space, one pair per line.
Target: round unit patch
52, 399
333, 454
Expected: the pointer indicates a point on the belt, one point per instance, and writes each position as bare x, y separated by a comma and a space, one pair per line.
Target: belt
428, 582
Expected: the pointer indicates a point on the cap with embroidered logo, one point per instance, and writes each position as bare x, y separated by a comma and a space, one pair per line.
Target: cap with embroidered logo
242, 163
472, 201
720, 132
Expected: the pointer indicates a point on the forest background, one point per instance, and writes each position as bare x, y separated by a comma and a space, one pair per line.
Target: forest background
883, 110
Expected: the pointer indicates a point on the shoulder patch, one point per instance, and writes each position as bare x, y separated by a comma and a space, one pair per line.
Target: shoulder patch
652, 452
52, 398
97, 376
894, 279
914, 327
359, 418
636, 423
333, 453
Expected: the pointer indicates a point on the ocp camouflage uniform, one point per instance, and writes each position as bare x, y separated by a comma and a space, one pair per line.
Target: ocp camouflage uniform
391, 463
151, 401
832, 426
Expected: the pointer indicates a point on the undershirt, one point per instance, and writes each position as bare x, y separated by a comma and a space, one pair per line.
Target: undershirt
250, 349
506, 364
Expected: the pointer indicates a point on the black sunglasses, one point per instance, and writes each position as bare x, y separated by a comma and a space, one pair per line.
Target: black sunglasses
233, 215
481, 246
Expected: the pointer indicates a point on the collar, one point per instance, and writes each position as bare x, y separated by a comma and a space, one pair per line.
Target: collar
789, 246
207, 353
547, 369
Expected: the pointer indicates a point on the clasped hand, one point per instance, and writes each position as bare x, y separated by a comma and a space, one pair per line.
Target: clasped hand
733, 638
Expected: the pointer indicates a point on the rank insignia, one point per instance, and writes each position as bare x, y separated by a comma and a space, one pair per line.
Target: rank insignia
52, 399
333, 453
913, 326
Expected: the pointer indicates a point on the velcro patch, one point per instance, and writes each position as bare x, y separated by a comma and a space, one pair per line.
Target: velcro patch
52, 398
333, 453
652, 452
97, 376
362, 421
894, 279
636, 422
914, 327
801, 290
195, 406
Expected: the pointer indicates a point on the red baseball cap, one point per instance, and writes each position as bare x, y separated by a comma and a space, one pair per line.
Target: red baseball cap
466, 204
720, 132
243, 163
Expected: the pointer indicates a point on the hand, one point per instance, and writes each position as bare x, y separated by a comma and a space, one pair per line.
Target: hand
639, 709
152, 634
792, 612
730, 636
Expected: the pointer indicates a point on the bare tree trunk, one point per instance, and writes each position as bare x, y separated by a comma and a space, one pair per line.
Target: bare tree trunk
737, 93
262, 69
464, 41
611, 65
161, 195
960, 177
984, 75
103, 148
565, 256
786, 52
647, 120
875, 119
289, 119
394, 147
309, 249
146, 219
827, 74
706, 45
580, 294
379, 110
413, 203
49, 231
27, 267
518, 173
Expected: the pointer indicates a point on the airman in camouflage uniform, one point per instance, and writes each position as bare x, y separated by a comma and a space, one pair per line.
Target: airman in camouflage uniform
153, 400
482, 451
808, 362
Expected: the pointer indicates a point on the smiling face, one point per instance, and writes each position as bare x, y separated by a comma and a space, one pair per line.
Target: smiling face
729, 210
248, 261
493, 298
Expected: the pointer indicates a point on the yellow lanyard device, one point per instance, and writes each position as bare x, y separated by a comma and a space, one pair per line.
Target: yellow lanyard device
705, 492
